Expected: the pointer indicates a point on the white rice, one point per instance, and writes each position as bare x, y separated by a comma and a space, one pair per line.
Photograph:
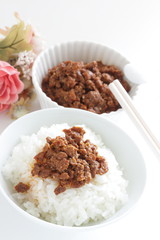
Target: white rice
93, 202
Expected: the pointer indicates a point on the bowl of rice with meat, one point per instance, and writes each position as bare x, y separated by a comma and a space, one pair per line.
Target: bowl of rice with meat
71, 168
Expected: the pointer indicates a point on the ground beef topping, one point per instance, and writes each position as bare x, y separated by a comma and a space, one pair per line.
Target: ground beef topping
22, 187
70, 160
84, 86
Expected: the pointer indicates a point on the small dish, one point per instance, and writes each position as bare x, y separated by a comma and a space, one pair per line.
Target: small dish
78, 51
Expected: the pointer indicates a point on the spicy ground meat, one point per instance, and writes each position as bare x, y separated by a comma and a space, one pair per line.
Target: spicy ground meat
70, 160
84, 86
22, 187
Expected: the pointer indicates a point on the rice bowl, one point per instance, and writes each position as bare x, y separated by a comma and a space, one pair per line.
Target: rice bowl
125, 150
91, 203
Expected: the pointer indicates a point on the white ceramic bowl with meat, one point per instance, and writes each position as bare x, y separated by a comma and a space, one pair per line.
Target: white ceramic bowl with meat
77, 74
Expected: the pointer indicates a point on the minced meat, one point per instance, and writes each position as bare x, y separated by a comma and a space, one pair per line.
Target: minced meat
84, 86
22, 187
69, 160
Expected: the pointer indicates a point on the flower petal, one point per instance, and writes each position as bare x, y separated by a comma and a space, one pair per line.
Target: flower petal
12, 86
1, 82
4, 98
2, 73
2, 88
9, 70
4, 64
13, 98
18, 83
4, 107
6, 68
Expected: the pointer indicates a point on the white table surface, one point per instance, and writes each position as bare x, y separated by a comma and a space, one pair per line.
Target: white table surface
131, 27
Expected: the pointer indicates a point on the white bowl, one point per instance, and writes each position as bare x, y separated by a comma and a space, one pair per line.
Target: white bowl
79, 51
123, 147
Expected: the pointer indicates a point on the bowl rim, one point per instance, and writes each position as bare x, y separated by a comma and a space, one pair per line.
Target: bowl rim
75, 228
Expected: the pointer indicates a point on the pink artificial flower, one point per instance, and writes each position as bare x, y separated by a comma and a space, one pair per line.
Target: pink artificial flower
10, 85
4, 107
37, 44
34, 39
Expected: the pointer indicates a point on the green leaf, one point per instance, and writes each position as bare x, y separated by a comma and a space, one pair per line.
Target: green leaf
16, 41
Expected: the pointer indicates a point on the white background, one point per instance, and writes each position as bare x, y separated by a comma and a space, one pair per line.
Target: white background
133, 28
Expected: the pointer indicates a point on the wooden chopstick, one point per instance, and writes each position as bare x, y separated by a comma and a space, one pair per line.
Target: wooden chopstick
127, 104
